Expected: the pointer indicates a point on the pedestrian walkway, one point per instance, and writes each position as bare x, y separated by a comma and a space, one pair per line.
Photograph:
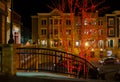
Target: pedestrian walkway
43, 77
41, 74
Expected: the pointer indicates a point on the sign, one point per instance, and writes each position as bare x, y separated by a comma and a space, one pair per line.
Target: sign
109, 53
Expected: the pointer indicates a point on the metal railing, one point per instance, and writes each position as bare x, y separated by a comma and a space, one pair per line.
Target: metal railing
43, 59
0, 59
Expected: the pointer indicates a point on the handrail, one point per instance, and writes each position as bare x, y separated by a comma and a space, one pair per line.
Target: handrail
52, 60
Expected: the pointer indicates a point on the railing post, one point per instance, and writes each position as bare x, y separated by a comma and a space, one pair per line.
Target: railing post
55, 61
7, 59
37, 60
0, 58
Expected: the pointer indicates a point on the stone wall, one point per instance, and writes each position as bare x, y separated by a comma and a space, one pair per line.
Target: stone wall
9, 59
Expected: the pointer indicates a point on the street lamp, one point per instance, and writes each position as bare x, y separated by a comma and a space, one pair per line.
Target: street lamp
11, 41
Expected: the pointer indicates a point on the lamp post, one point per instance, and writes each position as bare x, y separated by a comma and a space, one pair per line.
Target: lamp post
11, 41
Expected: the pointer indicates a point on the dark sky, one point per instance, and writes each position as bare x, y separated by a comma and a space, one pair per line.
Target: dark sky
26, 8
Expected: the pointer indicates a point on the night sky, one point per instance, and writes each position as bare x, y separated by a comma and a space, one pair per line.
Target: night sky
27, 8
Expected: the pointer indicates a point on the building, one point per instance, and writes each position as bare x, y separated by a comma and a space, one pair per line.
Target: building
113, 32
47, 29
16, 25
5, 22
62, 30
3, 15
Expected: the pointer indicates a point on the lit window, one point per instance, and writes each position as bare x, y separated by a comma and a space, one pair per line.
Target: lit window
110, 43
77, 43
55, 43
44, 43
85, 22
100, 44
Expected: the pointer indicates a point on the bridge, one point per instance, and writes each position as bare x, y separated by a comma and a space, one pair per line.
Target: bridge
43, 62
17, 59
35, 59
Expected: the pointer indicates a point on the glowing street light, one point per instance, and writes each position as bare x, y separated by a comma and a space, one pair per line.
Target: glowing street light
86, 44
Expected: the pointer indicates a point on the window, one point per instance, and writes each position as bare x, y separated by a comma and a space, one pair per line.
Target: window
43, 22
101, 44
51, 21
43, 32
111, 31
69, 43
68, 32
55, 31
55, 43
100, 22
85, 22
93, 22
55, 21
68, 22
110, 43
77, 43
60, 21
101, 32
44, 43
16, 37
111, 22
119, 43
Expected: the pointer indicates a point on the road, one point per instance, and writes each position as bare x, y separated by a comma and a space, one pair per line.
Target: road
107, 71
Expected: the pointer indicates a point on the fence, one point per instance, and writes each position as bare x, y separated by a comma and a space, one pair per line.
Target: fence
42, 59
0, 59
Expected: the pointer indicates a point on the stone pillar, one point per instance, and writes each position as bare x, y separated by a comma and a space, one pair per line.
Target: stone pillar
7, 59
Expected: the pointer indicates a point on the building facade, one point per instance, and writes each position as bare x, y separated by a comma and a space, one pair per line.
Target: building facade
56, 30
65, 31
113, 32
50, 29
16, 25
3, 16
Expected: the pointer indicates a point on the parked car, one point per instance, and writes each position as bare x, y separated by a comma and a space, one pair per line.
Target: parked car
109, 60
109, 67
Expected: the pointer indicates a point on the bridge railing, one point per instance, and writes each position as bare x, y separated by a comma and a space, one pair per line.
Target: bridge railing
0, 58
51, 60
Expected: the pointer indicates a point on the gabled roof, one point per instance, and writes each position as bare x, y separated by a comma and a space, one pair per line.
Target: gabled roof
55, 12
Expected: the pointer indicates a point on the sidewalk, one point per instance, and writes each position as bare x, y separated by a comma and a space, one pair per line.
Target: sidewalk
43, 77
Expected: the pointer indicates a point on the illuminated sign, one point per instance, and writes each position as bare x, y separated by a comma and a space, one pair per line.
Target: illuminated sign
109, 53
